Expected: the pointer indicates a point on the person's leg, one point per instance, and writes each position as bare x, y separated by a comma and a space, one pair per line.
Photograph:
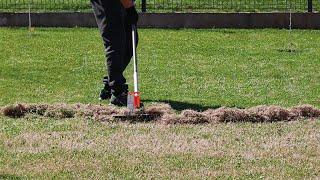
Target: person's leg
109, 16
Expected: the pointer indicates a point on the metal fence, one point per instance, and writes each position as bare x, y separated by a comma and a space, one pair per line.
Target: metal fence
230, 5
45, 5
167, 5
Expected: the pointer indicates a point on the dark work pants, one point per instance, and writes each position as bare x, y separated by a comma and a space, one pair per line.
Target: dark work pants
116, 34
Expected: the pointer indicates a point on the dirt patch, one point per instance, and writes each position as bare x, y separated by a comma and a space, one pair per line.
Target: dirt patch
163, 113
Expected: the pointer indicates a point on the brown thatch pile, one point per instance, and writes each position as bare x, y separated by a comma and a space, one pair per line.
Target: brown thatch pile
62, 111
164, 114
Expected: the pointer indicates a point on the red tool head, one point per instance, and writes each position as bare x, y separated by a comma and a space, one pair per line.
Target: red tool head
134, 101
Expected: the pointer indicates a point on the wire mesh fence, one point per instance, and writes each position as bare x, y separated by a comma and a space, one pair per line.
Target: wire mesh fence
165, 5
45, 5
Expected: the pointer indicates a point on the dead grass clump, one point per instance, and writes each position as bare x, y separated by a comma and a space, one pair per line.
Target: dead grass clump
163, 113
14, 111
98, 112
60, 111
186, 117
268, 114
169, 119
104, 113
85, 110
159, 109
192, 117
37, 109
305, 111
225, 114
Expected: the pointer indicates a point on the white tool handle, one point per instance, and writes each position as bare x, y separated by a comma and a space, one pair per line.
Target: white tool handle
135, 62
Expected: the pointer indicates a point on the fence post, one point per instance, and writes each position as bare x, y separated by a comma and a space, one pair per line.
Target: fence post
144, 5
310, 8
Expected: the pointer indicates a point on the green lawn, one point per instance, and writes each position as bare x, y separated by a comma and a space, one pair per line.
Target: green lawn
239, 68
194, 69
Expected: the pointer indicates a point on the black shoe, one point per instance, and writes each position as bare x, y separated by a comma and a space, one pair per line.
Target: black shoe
105, 93
119, 100
119, 95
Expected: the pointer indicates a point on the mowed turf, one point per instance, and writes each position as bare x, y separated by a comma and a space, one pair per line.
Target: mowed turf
210, 68
196, 69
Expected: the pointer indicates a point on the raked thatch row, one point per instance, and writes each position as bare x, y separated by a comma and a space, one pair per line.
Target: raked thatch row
163, 113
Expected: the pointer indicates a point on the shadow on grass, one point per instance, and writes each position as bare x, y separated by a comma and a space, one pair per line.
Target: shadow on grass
226, 31
179, 106
288, 50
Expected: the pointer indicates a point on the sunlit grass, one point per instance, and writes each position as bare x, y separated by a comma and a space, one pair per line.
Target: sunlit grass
194, 69
240, 68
